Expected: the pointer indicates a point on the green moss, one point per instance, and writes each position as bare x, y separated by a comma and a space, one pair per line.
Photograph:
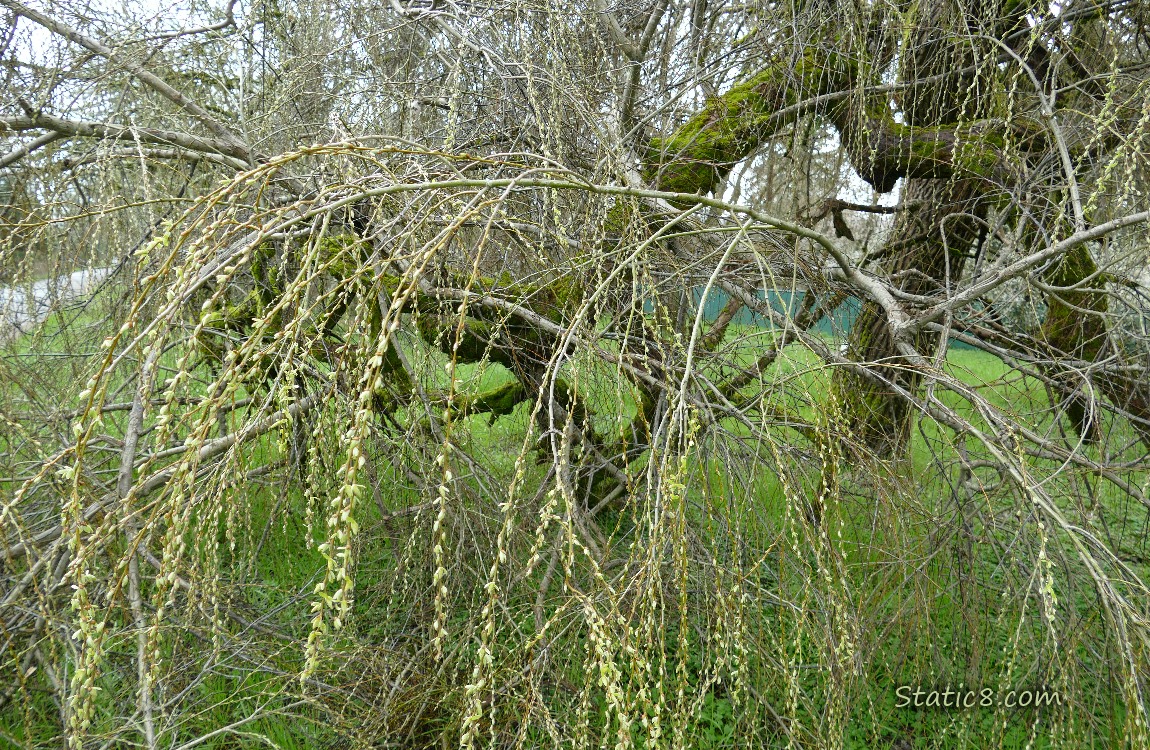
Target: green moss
341, 254
883, 150
1068, 327
699, 154
498, 401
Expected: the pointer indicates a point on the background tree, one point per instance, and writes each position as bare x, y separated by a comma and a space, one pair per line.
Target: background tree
576, 373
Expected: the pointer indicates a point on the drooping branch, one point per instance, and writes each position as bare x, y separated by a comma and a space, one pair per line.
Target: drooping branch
152, 482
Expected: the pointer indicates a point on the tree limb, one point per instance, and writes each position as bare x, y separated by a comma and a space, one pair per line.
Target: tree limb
236, 145
112, 131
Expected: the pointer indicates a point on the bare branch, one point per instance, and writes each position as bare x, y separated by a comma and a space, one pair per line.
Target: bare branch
88, 129
235, 145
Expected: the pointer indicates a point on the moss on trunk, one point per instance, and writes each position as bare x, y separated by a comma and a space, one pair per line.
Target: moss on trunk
1075, 326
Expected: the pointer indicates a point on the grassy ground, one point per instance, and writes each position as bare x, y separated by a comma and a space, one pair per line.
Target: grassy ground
913, 581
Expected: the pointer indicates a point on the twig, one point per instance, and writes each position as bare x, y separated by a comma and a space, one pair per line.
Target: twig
131, 533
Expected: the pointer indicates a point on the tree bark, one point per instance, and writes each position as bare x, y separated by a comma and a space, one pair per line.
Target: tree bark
1076, 328
942, 233
931, 242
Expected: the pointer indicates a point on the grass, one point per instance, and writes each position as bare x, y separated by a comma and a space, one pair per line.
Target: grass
902, 587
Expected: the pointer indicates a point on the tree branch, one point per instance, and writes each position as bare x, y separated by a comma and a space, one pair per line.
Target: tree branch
20, 152
236, 145
112, 131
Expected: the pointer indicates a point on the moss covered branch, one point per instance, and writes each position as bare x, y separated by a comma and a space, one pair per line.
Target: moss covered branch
698, 155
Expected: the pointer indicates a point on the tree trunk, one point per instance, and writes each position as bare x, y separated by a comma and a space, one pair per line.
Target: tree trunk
928, 246
932, 244
1076, 328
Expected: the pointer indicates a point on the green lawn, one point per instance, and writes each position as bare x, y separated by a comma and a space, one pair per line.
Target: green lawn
913, 580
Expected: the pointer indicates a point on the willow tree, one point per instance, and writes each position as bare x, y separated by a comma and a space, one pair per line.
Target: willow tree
995, 125
500, 356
